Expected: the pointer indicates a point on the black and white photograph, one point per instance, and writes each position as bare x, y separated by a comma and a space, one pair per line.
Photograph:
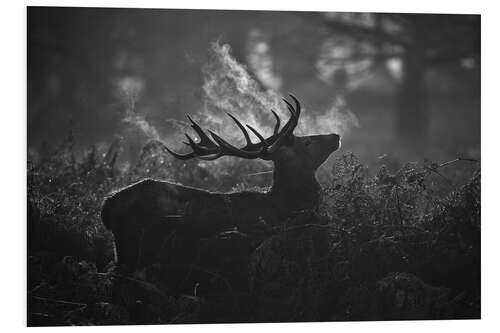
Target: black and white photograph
216, 166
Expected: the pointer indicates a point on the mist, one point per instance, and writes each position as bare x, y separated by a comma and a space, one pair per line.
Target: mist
136, 74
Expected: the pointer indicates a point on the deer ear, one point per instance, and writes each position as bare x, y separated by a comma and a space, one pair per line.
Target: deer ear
286, 150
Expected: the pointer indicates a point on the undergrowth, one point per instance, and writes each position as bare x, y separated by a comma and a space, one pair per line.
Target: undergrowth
391, 244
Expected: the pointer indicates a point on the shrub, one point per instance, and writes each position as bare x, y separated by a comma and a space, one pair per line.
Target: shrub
405, 239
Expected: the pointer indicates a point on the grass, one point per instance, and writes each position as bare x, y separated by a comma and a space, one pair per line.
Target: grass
393, 243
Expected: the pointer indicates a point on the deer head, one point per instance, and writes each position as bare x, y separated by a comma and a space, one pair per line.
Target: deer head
296, 158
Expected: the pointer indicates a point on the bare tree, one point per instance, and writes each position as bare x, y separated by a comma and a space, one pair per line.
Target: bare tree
421, 42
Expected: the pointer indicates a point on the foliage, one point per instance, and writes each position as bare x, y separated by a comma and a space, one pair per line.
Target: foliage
401, 244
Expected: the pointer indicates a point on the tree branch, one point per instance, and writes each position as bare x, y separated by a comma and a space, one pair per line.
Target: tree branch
364, 33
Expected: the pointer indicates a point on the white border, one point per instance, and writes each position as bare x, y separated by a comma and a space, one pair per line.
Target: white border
13, 157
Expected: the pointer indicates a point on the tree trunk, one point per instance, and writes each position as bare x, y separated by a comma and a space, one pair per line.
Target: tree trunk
412, 123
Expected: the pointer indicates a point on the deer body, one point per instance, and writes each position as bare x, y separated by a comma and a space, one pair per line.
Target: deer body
147, 217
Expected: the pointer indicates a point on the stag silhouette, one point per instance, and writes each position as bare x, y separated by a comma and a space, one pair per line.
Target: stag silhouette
150, 215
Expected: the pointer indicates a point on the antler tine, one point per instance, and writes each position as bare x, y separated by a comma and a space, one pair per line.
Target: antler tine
294, 119
210, 158
205, 147
204, 139
198, 149
287, 129
181, 157
297, 104
190, 141
261, 138
290, 107
221, 141
242, 128
229, 149
277, 126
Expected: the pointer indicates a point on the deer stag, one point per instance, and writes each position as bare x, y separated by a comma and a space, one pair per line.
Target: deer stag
150, 215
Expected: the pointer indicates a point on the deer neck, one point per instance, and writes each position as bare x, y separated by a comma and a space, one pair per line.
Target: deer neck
295, 189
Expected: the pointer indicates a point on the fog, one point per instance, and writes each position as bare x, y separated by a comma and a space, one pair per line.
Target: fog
396, 86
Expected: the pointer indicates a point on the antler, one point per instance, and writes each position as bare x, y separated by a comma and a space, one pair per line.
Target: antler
211, 149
